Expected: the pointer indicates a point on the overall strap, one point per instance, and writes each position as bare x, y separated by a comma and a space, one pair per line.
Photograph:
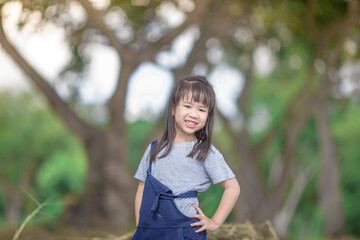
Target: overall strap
163, 195
152, 145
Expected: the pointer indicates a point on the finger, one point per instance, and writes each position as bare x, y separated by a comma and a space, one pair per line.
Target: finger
201, 229
196, 224
198, 209
195, 216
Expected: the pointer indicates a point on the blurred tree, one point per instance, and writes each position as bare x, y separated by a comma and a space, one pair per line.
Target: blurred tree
321, 32
305, 40
346, 130
30, 134
104, 200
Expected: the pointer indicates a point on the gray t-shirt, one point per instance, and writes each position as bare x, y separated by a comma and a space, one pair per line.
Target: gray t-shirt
182, 174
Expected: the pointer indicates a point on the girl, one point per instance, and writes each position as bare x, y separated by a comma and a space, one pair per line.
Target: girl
182, 163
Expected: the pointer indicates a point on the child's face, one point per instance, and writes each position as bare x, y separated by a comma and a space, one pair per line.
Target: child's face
189, 117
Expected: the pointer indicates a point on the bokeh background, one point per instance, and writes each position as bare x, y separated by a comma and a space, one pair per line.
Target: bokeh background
84, 86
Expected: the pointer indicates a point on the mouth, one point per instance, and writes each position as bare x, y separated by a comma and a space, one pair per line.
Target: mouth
190, 124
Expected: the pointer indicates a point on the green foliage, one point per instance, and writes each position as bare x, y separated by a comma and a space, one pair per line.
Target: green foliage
307, 148
329, 11
139, 16
63, 172
26, 127
2, 209
271, 154
223, 142
37, 152
276, 91
138, 133
308, 219
307, 222
36, 148
346, 130
209, 200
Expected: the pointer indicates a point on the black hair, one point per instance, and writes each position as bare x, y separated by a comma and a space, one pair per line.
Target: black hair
200, 90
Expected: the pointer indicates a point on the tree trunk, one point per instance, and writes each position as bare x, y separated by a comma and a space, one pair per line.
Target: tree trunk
14, 195
329, 184
12, 201
283, 218
109, 190
252, 195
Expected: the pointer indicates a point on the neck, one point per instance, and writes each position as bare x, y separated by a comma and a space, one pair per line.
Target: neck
179, 139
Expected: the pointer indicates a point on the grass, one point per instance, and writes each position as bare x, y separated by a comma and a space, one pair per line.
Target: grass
30, 216
245, 231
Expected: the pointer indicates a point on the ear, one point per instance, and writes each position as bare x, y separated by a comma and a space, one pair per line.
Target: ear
173, 111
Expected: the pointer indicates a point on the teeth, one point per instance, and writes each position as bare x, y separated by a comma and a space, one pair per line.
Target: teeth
190, 123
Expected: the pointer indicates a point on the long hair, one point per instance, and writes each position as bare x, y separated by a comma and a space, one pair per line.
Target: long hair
200, 90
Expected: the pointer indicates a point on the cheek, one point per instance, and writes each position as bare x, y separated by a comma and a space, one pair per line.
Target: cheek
176, 111
204, 117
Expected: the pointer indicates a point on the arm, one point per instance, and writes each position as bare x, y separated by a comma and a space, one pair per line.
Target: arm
138, 199
231, 193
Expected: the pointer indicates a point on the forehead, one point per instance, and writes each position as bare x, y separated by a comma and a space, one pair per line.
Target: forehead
189, 97
194, 91
189, 101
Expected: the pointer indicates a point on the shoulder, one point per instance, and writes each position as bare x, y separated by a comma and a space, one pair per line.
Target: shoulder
146, 155
148, 148
214, 151
151, 145
214, 154
216, 166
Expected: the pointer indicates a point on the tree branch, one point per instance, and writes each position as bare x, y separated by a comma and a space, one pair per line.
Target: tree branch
297, 117
245, 93
282, 218
131, 61
209, 27
340, 27
303, 94
197, 55
96, 19
116, 104
329, 192
313, 30
193, 18
290, 112
294, 128
81, 128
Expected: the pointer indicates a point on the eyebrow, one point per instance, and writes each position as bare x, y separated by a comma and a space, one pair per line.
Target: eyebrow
201, 105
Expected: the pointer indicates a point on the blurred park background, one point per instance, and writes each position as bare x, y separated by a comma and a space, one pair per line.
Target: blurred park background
84, 86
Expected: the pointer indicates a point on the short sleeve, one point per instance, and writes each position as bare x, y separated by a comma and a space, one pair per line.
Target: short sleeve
143, 166
216, 167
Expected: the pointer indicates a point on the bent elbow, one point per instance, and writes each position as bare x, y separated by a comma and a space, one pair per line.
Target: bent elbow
238, 189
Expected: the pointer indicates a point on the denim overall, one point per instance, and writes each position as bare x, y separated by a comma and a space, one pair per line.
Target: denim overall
160, 219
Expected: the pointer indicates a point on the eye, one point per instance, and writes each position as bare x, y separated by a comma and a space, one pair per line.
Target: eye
187, 106
202, 110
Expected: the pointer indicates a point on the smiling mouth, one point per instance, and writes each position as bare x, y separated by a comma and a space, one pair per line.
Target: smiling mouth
190, 124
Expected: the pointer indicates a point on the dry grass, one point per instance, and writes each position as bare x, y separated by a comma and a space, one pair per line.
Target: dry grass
246, 231
228, 231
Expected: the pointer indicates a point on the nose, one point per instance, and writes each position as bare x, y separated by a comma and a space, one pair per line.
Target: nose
194, 113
